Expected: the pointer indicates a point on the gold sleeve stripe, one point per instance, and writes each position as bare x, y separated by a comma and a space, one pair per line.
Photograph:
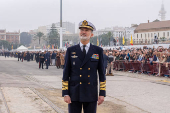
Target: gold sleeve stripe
104, 85
103, 82
102, 88
64, 89
64, 85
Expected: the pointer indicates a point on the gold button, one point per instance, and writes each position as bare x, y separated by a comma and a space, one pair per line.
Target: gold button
88, 68
80, 68
80, 75
89, 83
88, 75
80, 83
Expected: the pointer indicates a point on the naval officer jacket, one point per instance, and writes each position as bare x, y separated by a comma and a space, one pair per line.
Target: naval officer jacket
80, 79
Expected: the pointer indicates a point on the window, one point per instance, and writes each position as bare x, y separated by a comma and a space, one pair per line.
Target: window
167, 33
158, 34
163, 34
2, 37
141, 35
137, 35
151, 35
145, 35
148, 35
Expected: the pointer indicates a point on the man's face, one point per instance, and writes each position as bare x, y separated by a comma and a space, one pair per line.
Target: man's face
85, 34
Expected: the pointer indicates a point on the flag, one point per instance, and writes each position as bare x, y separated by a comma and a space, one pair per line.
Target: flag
67, 44
52, 46
97, 42
123, 40
12, 47
101, 44
131, 41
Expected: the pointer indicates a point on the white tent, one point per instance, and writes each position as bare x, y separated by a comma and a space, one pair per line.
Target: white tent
22, 48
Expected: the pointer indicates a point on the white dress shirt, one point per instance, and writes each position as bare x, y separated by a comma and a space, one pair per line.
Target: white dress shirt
86, 48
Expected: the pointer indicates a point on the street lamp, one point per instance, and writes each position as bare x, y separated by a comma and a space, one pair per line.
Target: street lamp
61, 24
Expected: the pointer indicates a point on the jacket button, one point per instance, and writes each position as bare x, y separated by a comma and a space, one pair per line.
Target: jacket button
80, 68
80, 75
88, 75
80, 83
89, 83
88, 68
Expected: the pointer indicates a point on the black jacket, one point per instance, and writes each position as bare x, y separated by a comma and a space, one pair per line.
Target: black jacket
80, 79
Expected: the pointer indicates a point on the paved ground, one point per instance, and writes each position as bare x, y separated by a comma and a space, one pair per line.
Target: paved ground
126, 92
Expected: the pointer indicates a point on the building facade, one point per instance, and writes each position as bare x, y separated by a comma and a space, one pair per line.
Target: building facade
69, 27
11, 37
118, 33
145, 33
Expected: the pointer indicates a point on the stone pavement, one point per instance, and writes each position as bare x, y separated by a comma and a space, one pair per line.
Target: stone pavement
137, 93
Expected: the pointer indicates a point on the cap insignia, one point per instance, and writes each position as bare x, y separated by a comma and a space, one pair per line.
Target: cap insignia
85, 23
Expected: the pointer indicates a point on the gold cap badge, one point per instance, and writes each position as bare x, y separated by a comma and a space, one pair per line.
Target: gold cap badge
84, 23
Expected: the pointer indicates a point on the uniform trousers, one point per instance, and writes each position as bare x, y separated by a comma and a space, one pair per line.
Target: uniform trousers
88, 107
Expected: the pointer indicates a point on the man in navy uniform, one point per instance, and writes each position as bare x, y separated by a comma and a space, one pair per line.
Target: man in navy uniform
47, 59
80, 79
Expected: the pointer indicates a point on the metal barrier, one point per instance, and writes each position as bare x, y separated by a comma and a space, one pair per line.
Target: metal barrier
142, 67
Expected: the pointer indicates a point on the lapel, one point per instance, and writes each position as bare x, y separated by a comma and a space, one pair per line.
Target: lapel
79, 52
88, 55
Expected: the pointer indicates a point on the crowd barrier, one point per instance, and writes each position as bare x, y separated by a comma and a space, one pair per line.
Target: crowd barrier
142, 67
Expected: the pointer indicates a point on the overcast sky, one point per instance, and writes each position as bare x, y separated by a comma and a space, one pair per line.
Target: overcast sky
27, 15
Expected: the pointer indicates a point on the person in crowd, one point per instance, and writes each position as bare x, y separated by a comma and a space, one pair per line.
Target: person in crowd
37, 56
110, 64
53, 56
19, 56
62, 59
41, 61
106, 59
58, 61
47, 59
50, 58
28, 56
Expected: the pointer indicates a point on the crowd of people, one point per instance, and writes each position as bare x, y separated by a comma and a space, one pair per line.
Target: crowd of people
48, 58
152, 61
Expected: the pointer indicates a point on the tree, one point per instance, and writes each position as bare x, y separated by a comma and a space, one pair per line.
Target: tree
53, 36
103, 37
39, 35
25, 38
109, 36
7, 45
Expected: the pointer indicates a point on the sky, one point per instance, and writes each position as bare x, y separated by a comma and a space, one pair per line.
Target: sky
25, 15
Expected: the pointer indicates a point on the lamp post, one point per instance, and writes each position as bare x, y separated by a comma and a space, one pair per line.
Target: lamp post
61, 38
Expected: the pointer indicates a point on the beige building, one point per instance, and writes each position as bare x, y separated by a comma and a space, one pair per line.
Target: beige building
42, 29
12, 37
145, 33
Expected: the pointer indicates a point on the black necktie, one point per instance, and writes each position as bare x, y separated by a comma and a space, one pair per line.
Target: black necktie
84, 51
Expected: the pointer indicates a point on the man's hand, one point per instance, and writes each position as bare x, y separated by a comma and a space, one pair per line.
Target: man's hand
67, 99
100, 100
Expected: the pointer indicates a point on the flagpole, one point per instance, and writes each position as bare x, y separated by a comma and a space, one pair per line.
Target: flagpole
61, 38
